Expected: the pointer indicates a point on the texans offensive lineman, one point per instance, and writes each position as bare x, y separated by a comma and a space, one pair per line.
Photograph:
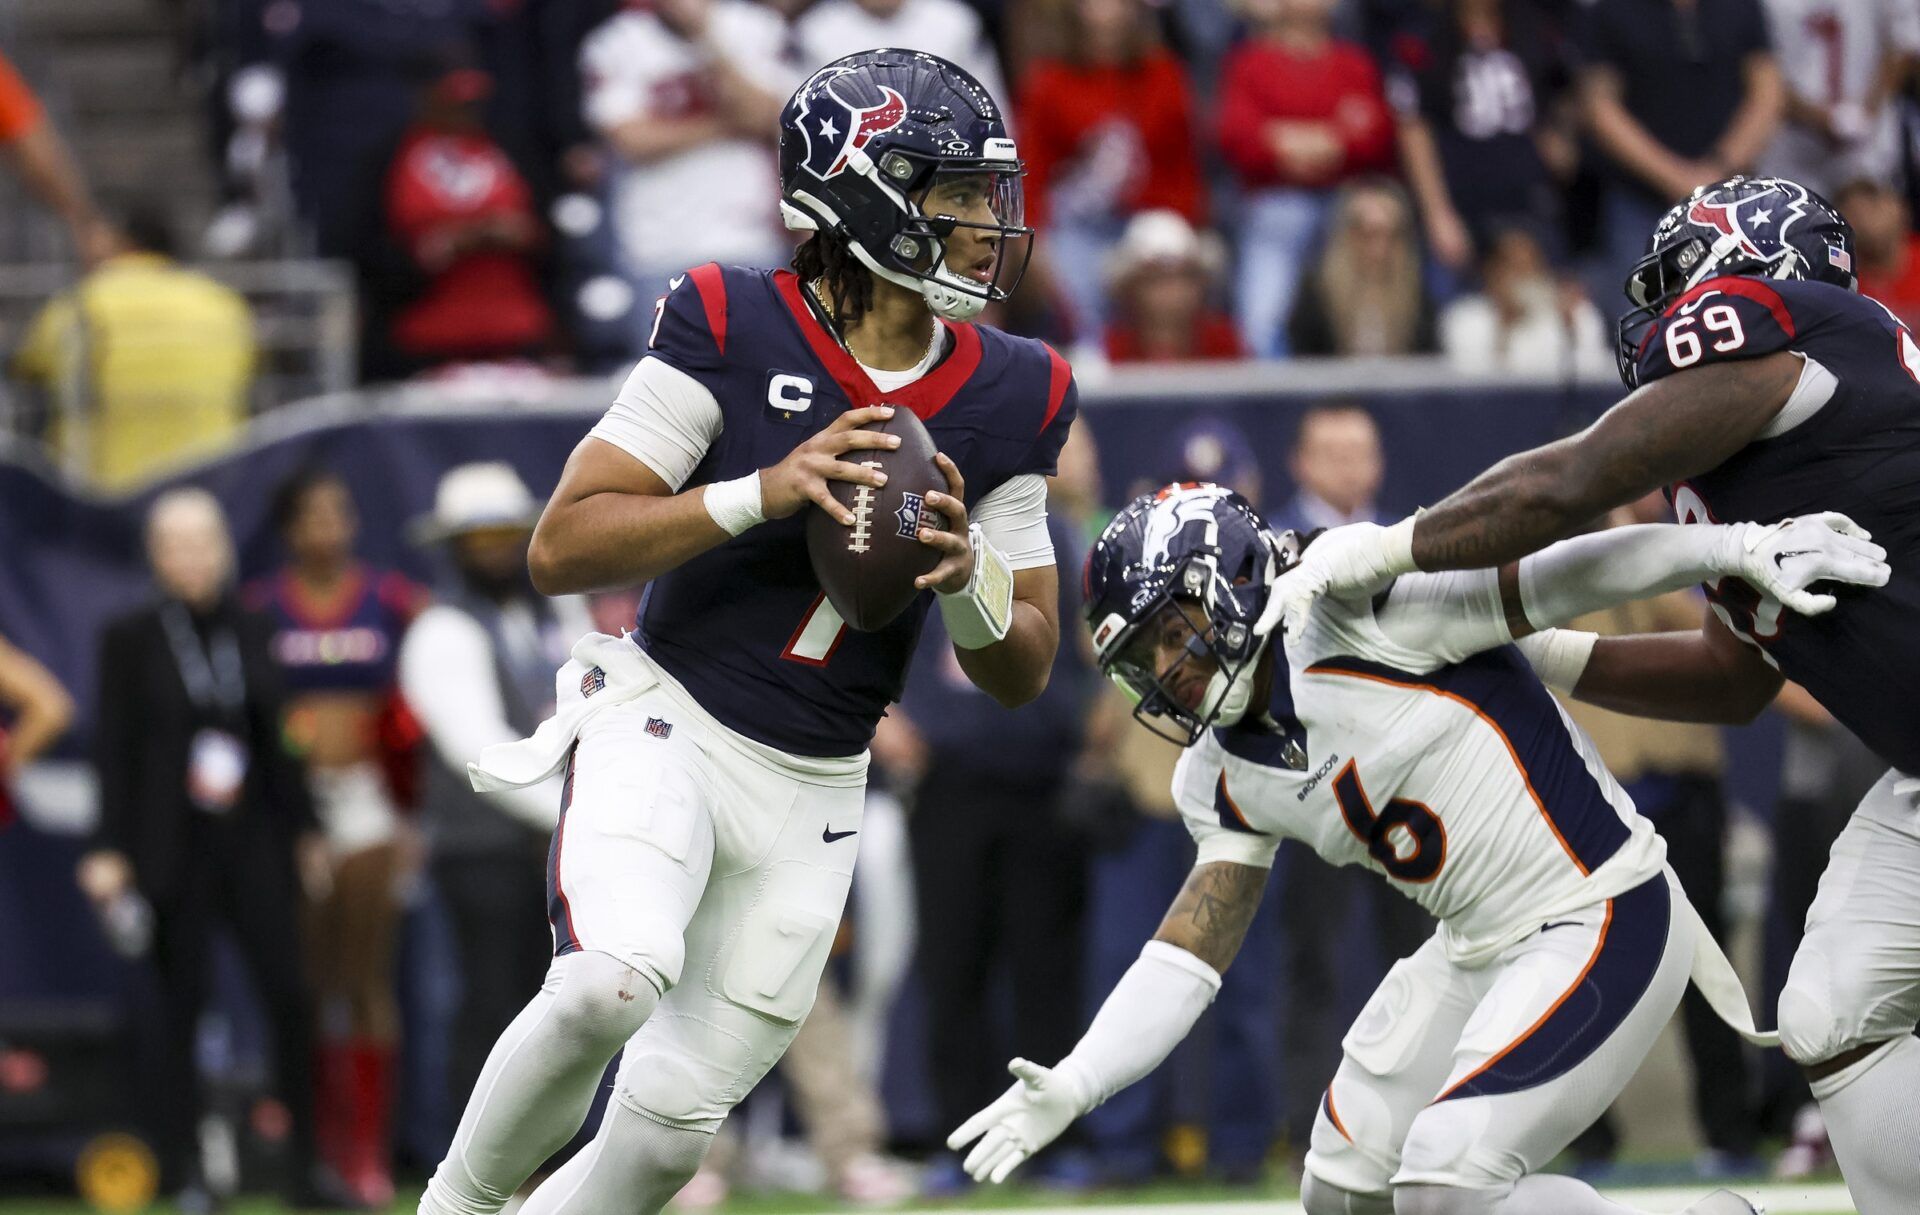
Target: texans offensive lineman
1401, 733
716, 757
1766, 388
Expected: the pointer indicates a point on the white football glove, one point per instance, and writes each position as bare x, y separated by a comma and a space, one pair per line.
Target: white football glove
1355, 560
1781, 560
1027, 1117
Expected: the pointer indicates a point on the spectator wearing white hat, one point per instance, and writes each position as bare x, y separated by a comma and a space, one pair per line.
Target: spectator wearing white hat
1162, 279
477, 669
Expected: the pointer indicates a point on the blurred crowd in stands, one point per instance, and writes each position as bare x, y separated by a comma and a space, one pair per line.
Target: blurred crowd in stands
514, 181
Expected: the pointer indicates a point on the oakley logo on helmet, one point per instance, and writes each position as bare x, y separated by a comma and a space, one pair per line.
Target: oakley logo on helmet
835, 125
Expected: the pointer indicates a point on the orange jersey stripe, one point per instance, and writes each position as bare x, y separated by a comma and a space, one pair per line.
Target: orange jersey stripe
1513, 754
1599, 944
1234, 806
1333, 1116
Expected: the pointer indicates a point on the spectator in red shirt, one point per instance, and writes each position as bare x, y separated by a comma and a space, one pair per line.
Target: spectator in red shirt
34, 151
1106, 127
1300, 113
1886, 251
464, 216
1163, 275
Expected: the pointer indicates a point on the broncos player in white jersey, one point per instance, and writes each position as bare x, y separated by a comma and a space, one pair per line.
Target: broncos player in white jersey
1402, 733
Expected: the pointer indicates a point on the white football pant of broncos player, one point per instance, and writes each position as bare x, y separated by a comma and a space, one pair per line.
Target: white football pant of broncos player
1422, 1117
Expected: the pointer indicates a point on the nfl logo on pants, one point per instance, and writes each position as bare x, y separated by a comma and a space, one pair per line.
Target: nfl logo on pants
659, 727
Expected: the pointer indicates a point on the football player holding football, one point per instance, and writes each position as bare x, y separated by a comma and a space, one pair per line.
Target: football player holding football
1403, 734
1765, 387
715, 757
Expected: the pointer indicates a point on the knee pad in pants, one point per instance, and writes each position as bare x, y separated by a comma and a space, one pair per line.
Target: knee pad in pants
1324, 1198
1444, 1200
599, 1001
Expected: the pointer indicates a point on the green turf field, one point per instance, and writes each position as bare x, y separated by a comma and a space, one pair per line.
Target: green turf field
1823, 1197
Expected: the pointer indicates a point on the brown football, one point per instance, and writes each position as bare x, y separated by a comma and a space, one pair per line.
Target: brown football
867, 570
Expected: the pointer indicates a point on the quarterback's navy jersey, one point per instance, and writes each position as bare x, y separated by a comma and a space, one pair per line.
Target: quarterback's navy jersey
745, 626
1858, 454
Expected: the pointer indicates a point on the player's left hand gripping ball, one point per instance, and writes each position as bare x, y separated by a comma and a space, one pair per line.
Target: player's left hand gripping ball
955, 570
1027, 1117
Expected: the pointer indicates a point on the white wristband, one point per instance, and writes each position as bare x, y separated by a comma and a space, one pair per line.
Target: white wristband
981, 614
1559, 656
735, 504
1397, 547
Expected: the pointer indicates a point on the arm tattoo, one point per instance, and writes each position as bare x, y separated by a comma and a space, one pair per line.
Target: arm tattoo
1210, 916
1684, 424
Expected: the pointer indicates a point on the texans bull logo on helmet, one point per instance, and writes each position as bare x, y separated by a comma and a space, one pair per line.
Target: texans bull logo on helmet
836, 121
1779, 208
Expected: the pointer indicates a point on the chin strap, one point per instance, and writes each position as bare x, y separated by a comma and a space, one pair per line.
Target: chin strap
1229, 699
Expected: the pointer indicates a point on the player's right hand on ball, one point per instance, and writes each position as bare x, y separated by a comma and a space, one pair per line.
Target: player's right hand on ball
802, 477
1027, 1117
1781, 560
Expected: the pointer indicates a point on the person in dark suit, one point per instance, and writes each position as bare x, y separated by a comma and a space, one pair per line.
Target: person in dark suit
206, 817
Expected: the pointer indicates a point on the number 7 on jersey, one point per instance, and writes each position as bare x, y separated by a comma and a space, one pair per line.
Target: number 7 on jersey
818, 636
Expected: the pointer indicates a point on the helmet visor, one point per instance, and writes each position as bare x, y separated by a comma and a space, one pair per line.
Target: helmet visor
1166, 665
971, 229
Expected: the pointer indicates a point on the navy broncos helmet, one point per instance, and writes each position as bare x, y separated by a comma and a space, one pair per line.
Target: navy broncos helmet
1764, 227
864, 142
1195, 554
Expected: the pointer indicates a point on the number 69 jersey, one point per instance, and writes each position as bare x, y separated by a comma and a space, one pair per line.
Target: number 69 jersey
744, 627
1462, 783
1848, 441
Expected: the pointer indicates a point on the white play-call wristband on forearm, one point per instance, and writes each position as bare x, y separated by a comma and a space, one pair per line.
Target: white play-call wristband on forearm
735, 505
981, 614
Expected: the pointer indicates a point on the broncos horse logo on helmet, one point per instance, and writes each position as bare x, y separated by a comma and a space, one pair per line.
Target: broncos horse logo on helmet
865, 140
1199, 552
1763, 227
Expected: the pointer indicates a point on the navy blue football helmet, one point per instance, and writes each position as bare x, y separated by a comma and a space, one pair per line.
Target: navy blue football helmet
864, 142
1195, 555
1764, 227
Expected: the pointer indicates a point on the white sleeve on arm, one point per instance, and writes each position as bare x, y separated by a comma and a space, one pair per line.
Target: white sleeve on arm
1449, 616
1013, 514
663, 418
447, 675
1619, 565
1150, 1010
1443, 616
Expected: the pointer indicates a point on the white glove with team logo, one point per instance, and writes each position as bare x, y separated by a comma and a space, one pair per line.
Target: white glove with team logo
1027, 1117
1355, 560
1781, 560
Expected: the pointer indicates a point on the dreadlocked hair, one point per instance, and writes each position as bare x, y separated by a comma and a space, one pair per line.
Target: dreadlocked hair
827, 258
